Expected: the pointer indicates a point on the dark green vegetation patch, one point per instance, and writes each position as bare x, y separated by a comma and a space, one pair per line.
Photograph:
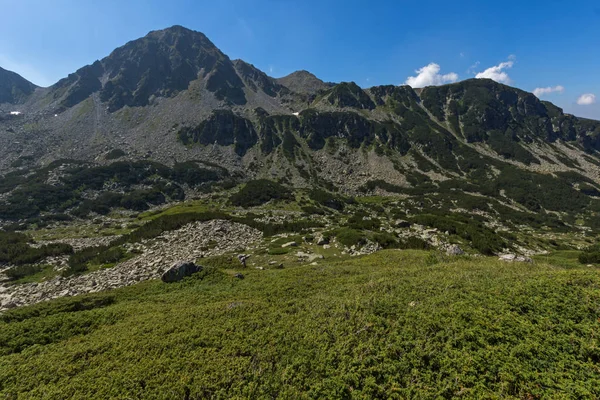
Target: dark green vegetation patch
116, 185
258, 192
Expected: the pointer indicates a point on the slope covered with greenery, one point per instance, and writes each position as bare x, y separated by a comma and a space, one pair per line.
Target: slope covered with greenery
396, 324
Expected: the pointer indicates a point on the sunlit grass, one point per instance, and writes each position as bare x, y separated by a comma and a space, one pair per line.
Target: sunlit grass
396, 324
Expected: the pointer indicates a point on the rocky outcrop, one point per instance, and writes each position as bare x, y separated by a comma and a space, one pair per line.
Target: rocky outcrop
348, 95
224, 128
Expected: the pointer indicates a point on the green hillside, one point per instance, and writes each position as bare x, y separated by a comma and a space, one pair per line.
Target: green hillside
395, 324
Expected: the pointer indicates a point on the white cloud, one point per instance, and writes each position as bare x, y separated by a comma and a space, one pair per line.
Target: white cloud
586, 99
547, 90
430, 75
497, 72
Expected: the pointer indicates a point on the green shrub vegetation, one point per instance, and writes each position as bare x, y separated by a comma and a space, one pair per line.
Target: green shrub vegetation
16, 249
330, 200
395, 324
360, 220
591, 255
482, 238
259, 192
31, 195
349, 237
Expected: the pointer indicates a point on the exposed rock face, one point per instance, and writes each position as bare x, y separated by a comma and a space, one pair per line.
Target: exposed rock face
180, 270
225, 128
256, 79
163, 63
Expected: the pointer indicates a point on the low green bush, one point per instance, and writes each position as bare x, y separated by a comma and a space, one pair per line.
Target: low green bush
590, 255
350, 237
259, 192
21, 271
221, 262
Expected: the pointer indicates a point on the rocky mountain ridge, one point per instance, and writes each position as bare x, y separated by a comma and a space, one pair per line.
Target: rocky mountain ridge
173, 96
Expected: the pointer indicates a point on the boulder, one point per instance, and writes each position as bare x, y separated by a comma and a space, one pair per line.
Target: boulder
321, 240
507, 257
180, 270
400, 223
454, 250
514, 258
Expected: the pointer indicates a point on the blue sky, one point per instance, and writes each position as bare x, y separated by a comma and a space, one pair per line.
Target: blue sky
531, 43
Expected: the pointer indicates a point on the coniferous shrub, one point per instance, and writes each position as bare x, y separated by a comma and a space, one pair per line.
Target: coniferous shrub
258, 192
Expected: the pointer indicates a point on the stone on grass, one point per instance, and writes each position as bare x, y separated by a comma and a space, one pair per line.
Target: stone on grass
454, 250
514, 258
180, 270
321, 240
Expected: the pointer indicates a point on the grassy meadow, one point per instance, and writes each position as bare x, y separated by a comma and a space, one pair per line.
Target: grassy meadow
395, 324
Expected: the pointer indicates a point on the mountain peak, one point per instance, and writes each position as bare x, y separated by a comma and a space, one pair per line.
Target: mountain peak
162, 64
304, 82
14, 88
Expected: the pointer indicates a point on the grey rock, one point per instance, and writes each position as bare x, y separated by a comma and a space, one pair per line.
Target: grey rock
514, 258
454, 250
180, 270
238, 276
308, 257
400, 223
321, 240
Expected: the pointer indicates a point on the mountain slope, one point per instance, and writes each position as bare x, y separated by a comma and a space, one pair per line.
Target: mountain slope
172, 96
14, 89
162, 64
